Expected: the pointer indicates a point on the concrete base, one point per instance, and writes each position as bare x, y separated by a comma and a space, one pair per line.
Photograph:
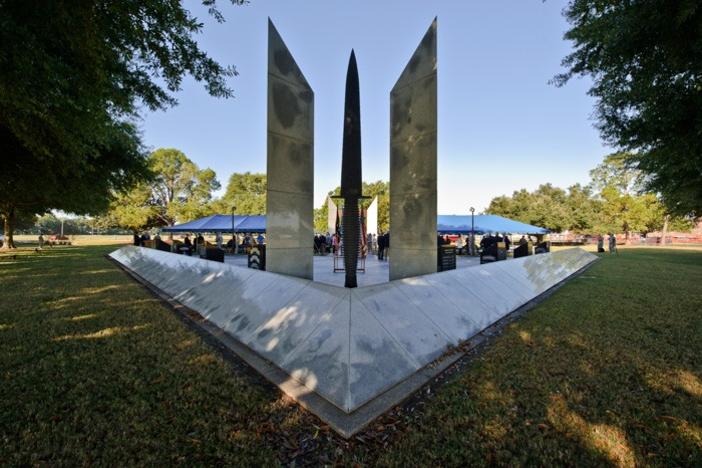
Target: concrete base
348, 356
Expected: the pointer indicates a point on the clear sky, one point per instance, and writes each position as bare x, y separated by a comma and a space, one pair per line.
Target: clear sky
502, 127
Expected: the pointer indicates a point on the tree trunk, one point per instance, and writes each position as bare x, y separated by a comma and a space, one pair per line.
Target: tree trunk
665, 230
9, 229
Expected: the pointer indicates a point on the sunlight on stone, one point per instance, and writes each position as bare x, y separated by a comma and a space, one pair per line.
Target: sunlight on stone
306, 377
272, 344
105, 333
604, 438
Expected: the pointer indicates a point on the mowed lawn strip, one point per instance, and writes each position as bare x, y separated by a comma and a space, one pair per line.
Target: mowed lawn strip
94, 370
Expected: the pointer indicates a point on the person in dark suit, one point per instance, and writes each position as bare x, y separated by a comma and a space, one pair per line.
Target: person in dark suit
381, 246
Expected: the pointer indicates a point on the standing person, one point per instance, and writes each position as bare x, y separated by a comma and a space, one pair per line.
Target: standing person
459, 244
507, 241
612, 244
41, 240
523, 241
328, 241
187, 245
387, 246
218, 240
335, 243
137, 239
600, 244
381, 246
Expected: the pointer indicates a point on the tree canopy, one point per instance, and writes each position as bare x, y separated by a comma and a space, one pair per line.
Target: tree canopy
177, 191
73, 78
245, 191
645, 58
611, 202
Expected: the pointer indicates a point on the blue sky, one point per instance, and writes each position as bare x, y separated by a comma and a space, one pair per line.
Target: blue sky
502, 127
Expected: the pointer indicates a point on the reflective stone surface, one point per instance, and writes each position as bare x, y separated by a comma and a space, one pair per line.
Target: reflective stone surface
290, 163
413, 134
351, 346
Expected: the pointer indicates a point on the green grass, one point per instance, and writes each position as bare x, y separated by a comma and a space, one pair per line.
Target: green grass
94, 370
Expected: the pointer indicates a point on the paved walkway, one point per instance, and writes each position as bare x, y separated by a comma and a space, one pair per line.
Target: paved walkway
376, 271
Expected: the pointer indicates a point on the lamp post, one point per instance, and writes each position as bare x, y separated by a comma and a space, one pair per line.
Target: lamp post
234, 246
472, 231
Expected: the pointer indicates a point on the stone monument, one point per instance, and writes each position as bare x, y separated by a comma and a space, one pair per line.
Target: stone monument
290, 166
413, 123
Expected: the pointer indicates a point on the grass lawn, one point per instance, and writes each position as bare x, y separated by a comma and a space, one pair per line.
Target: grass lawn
94, 370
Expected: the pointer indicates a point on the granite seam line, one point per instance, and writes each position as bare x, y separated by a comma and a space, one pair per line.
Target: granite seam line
460, 309
290, 193
415, 192
395, 90
243, 286
304, 87
347, 400
495, 292
392, 337
499, 277
416, 305
292, 138
396, 139
275, 311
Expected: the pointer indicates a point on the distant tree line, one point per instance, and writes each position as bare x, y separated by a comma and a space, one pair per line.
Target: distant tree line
615, 200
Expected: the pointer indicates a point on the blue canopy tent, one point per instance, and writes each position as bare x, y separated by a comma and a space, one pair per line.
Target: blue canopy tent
221, 223
457, 224
446, 224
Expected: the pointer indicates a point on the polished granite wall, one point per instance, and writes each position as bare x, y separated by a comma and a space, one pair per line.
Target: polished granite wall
349, 346
290, 166
413, 133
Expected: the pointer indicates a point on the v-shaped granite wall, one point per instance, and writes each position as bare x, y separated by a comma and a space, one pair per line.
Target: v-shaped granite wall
349, 346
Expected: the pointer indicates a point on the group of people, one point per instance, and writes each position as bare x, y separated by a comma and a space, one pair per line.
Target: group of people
383, 241
612, 243
494, 238
324, 243
140, 240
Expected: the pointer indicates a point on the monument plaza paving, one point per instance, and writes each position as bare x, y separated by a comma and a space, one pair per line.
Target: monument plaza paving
350, 353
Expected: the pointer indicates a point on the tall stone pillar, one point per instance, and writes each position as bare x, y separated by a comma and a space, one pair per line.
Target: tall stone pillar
413, 124
290, 167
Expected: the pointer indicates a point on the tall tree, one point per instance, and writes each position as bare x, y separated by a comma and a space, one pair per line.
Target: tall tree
245, 191
180, 190
176, 191
645, 58
72, 77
